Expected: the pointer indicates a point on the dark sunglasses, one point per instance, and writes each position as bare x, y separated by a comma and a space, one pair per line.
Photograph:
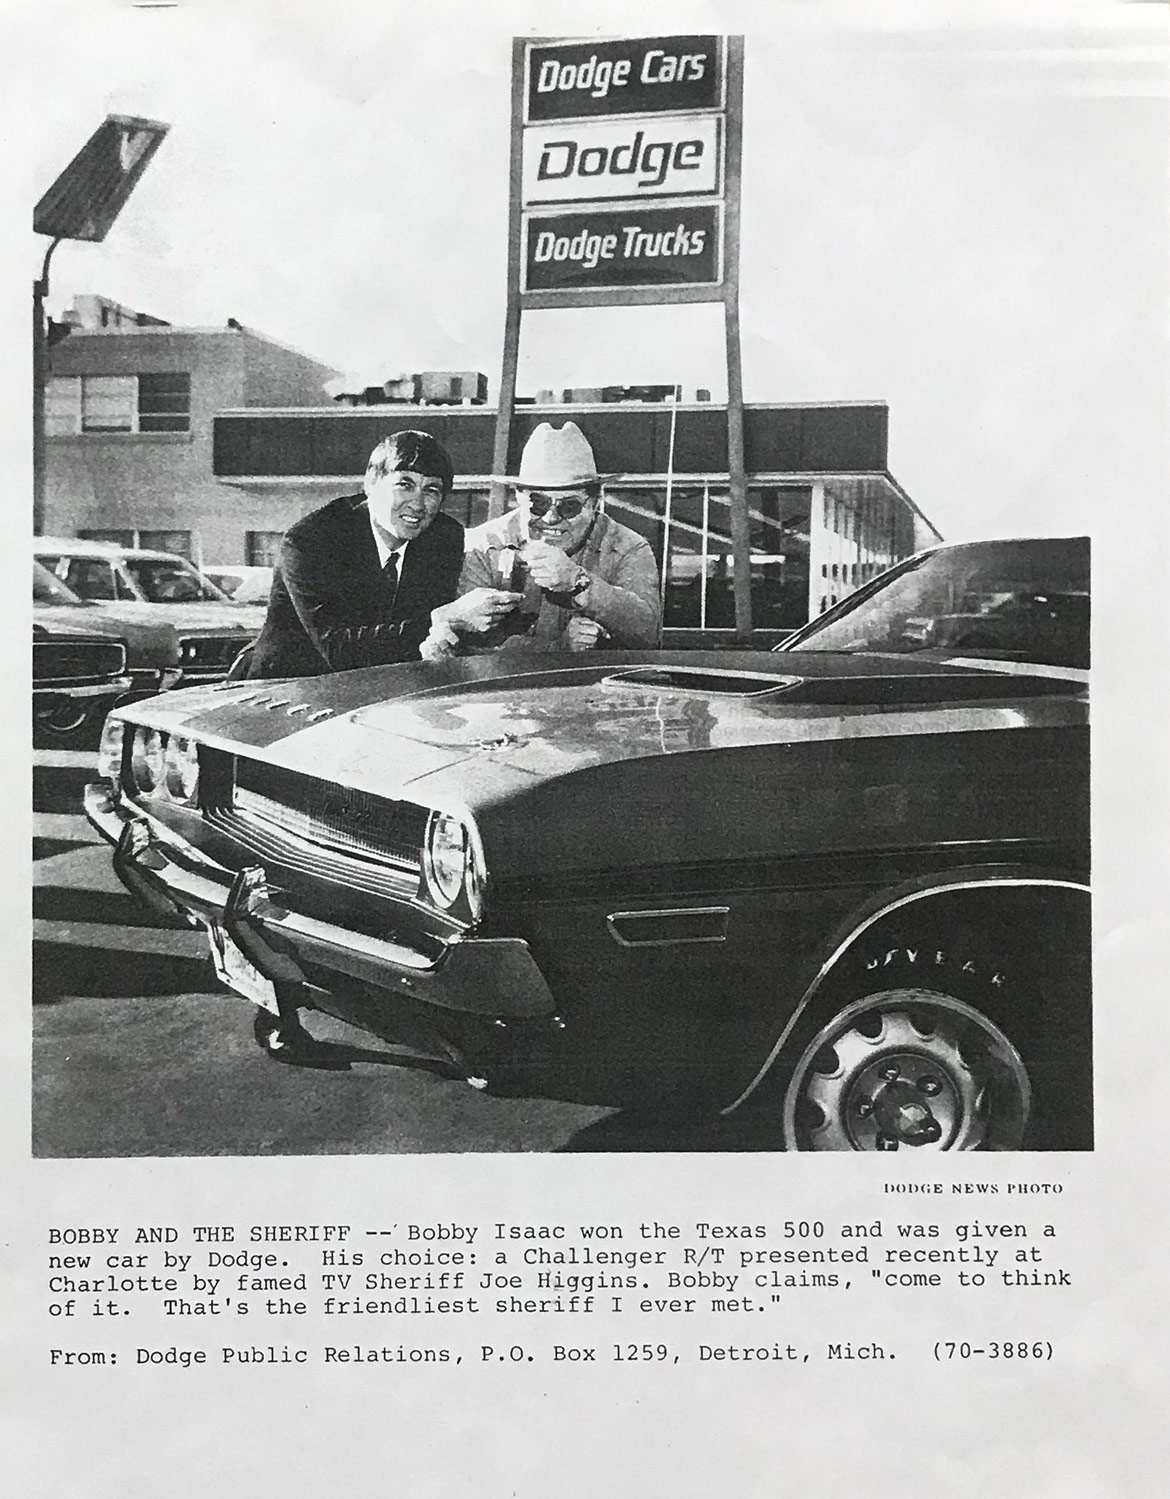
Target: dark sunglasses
568, 507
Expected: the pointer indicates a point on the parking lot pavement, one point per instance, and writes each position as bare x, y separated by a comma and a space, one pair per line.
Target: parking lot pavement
138, 1050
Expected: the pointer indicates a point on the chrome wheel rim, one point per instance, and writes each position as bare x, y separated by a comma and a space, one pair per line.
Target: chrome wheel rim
908, 1069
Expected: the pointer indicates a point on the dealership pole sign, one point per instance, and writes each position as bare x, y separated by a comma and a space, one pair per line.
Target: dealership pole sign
622, 148
624, 191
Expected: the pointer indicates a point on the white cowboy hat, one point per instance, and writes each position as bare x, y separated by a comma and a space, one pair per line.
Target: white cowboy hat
555, 458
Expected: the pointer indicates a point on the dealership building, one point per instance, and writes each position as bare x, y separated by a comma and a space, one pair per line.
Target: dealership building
213, 442
130, 407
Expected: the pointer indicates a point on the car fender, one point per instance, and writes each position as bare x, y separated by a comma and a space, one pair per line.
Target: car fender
920, 899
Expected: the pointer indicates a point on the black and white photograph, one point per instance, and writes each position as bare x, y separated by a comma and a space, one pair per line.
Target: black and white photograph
658, 758
569, 545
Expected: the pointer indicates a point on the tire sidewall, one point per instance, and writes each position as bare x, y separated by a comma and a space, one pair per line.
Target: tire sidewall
1013, 986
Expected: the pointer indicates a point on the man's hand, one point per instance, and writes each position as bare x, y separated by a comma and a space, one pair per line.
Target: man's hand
440, 644
582, 634
549, 567
478, 610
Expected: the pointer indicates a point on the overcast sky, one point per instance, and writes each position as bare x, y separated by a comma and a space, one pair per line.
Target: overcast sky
956, 208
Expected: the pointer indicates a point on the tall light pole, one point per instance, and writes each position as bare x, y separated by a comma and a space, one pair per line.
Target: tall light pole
82, 204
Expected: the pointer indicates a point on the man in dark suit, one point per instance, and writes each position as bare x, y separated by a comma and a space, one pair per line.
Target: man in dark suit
358, 579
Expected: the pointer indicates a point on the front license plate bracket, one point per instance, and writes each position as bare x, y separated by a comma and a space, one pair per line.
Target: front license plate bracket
236, 970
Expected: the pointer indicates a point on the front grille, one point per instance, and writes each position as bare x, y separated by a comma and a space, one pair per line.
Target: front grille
328, 817
61, 662
269, 842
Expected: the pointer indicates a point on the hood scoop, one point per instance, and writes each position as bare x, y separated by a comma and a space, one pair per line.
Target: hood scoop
861, 690
753, 684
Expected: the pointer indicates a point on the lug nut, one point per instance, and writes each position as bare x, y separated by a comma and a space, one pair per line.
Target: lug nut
929, 1085
864, 1108
891, 1072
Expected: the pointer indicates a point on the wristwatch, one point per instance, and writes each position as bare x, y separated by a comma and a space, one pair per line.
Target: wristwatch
580, 584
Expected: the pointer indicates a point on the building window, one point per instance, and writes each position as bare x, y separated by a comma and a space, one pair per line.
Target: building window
263, 548
108, 403
691, 530
468, 506
117, 403
63, 407
176, 542
779, 520
164, 403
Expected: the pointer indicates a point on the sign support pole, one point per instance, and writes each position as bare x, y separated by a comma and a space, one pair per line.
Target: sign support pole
40, 374
506, 400
736, 473
82, 204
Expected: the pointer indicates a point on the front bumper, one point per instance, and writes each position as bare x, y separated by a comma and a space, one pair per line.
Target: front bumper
111, 687
200, 676
489, 977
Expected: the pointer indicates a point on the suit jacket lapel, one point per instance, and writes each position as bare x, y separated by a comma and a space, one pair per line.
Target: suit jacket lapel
361, 560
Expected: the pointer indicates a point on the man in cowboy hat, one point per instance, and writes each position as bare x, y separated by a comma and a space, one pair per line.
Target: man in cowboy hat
357, 580
586, 580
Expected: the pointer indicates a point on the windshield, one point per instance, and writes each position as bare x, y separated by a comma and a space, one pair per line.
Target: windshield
50, 590
171, 581
1006, 600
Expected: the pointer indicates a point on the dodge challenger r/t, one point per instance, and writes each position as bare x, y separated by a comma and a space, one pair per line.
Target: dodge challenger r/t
842, 886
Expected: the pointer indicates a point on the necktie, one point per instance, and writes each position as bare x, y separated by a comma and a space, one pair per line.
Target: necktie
390, 573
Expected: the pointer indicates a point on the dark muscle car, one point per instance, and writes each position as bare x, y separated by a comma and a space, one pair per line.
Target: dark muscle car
843, 887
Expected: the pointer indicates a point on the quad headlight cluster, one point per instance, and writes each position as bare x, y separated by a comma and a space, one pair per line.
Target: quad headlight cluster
453, 864
161, 765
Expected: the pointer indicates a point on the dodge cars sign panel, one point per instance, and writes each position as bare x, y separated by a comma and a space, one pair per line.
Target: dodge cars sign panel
623, 247
640, 75
670, 158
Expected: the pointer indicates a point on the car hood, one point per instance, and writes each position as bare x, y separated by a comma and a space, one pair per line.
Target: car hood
147, 643
191, 619
484, 730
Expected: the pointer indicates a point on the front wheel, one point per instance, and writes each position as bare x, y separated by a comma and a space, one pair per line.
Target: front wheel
908, 1069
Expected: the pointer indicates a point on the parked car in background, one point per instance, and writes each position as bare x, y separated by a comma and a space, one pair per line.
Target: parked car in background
243, 585
156, 586
72, 688
76, 678
843, 888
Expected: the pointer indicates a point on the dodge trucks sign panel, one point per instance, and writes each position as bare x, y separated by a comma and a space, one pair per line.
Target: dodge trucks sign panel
622, 247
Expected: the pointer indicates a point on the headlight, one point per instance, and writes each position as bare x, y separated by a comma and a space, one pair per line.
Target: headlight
148, 760
445, 857
110, 750
452, 865
182, 769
